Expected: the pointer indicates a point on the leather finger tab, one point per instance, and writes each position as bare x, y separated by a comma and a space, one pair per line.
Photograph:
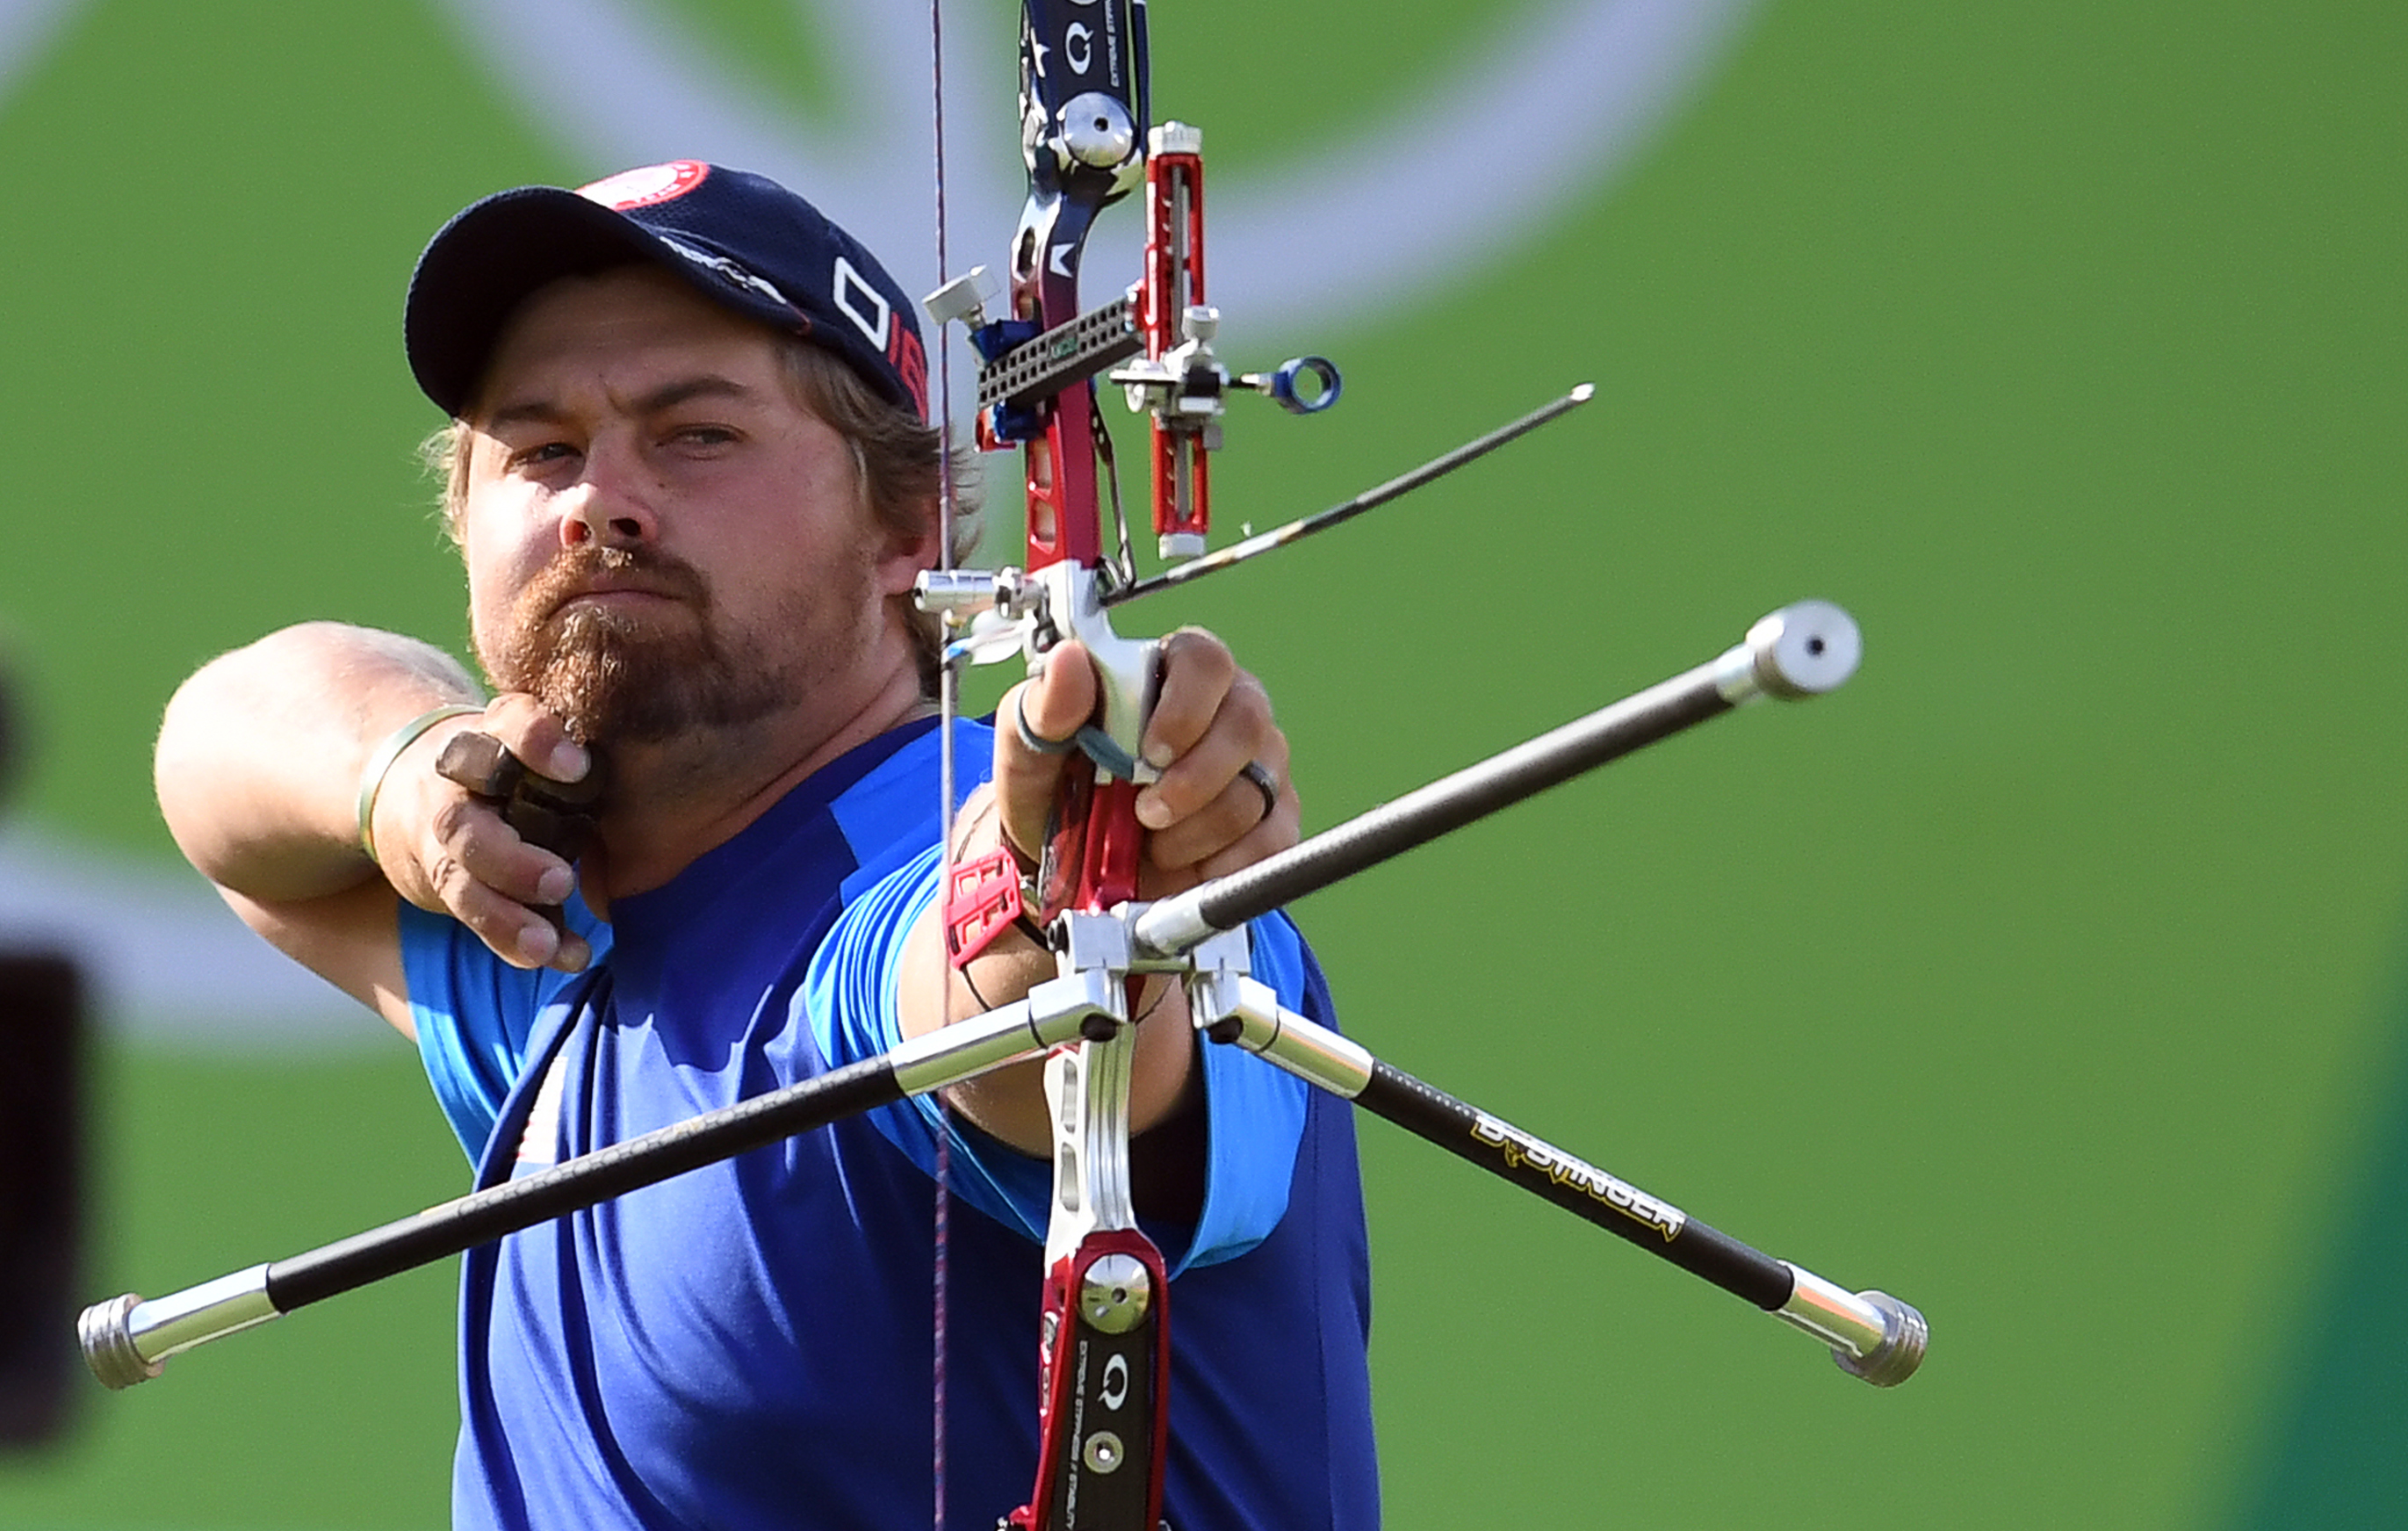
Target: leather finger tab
479, 762
560, 817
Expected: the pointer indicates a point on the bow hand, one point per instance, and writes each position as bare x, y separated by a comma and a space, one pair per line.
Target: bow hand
1215, 798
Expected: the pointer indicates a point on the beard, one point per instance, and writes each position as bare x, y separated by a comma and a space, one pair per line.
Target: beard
614, 676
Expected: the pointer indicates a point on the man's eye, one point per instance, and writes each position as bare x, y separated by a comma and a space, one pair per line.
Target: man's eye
547, 452
702, 436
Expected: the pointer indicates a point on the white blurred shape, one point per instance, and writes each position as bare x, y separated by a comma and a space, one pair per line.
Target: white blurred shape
167, 961
27, 29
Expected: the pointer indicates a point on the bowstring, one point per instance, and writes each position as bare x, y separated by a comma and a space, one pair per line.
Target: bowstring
948, 703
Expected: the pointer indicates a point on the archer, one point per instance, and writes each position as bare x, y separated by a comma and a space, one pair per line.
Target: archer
692, 482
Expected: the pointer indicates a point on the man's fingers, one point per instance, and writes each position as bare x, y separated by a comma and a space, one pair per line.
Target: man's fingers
451, 805
1272, 833
473, 837
1240, 733
1227, 802
1236, 829
1197, 673
517, 933
503, 888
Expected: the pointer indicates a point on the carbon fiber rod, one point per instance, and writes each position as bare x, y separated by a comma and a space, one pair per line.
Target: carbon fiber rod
127, 1339
1799, 651
483, 1216
1871, 1334
1581, 1189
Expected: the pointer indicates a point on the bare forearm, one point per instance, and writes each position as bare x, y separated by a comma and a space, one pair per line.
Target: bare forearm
260, 753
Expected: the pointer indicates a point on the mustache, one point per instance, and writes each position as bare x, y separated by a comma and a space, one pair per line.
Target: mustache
587, 568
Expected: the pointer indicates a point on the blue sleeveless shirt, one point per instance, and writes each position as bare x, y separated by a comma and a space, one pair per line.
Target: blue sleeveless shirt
750, 1345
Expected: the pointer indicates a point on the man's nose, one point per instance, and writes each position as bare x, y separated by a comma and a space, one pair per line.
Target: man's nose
607, 506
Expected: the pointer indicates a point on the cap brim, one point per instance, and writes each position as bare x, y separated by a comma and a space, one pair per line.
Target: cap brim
495, 255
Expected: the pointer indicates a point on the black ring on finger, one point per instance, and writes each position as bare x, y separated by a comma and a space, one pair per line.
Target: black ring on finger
1265, 783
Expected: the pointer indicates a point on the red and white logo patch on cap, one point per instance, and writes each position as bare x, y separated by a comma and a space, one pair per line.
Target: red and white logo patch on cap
646, 184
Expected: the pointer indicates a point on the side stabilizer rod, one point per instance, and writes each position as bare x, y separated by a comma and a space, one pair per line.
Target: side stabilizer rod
1871, 1334
128, 1339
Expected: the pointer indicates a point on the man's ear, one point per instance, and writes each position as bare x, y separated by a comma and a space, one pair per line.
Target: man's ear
906, 553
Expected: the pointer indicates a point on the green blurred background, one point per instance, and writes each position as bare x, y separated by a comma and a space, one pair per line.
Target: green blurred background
2050, 976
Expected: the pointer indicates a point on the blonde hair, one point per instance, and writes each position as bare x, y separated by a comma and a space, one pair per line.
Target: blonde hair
899, 465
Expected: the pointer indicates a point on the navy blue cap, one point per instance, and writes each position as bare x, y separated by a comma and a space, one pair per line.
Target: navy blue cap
741, 240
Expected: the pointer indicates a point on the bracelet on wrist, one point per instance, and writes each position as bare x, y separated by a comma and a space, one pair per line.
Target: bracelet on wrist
380, 762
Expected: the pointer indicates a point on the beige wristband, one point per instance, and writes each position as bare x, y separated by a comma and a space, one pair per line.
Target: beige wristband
381, 763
